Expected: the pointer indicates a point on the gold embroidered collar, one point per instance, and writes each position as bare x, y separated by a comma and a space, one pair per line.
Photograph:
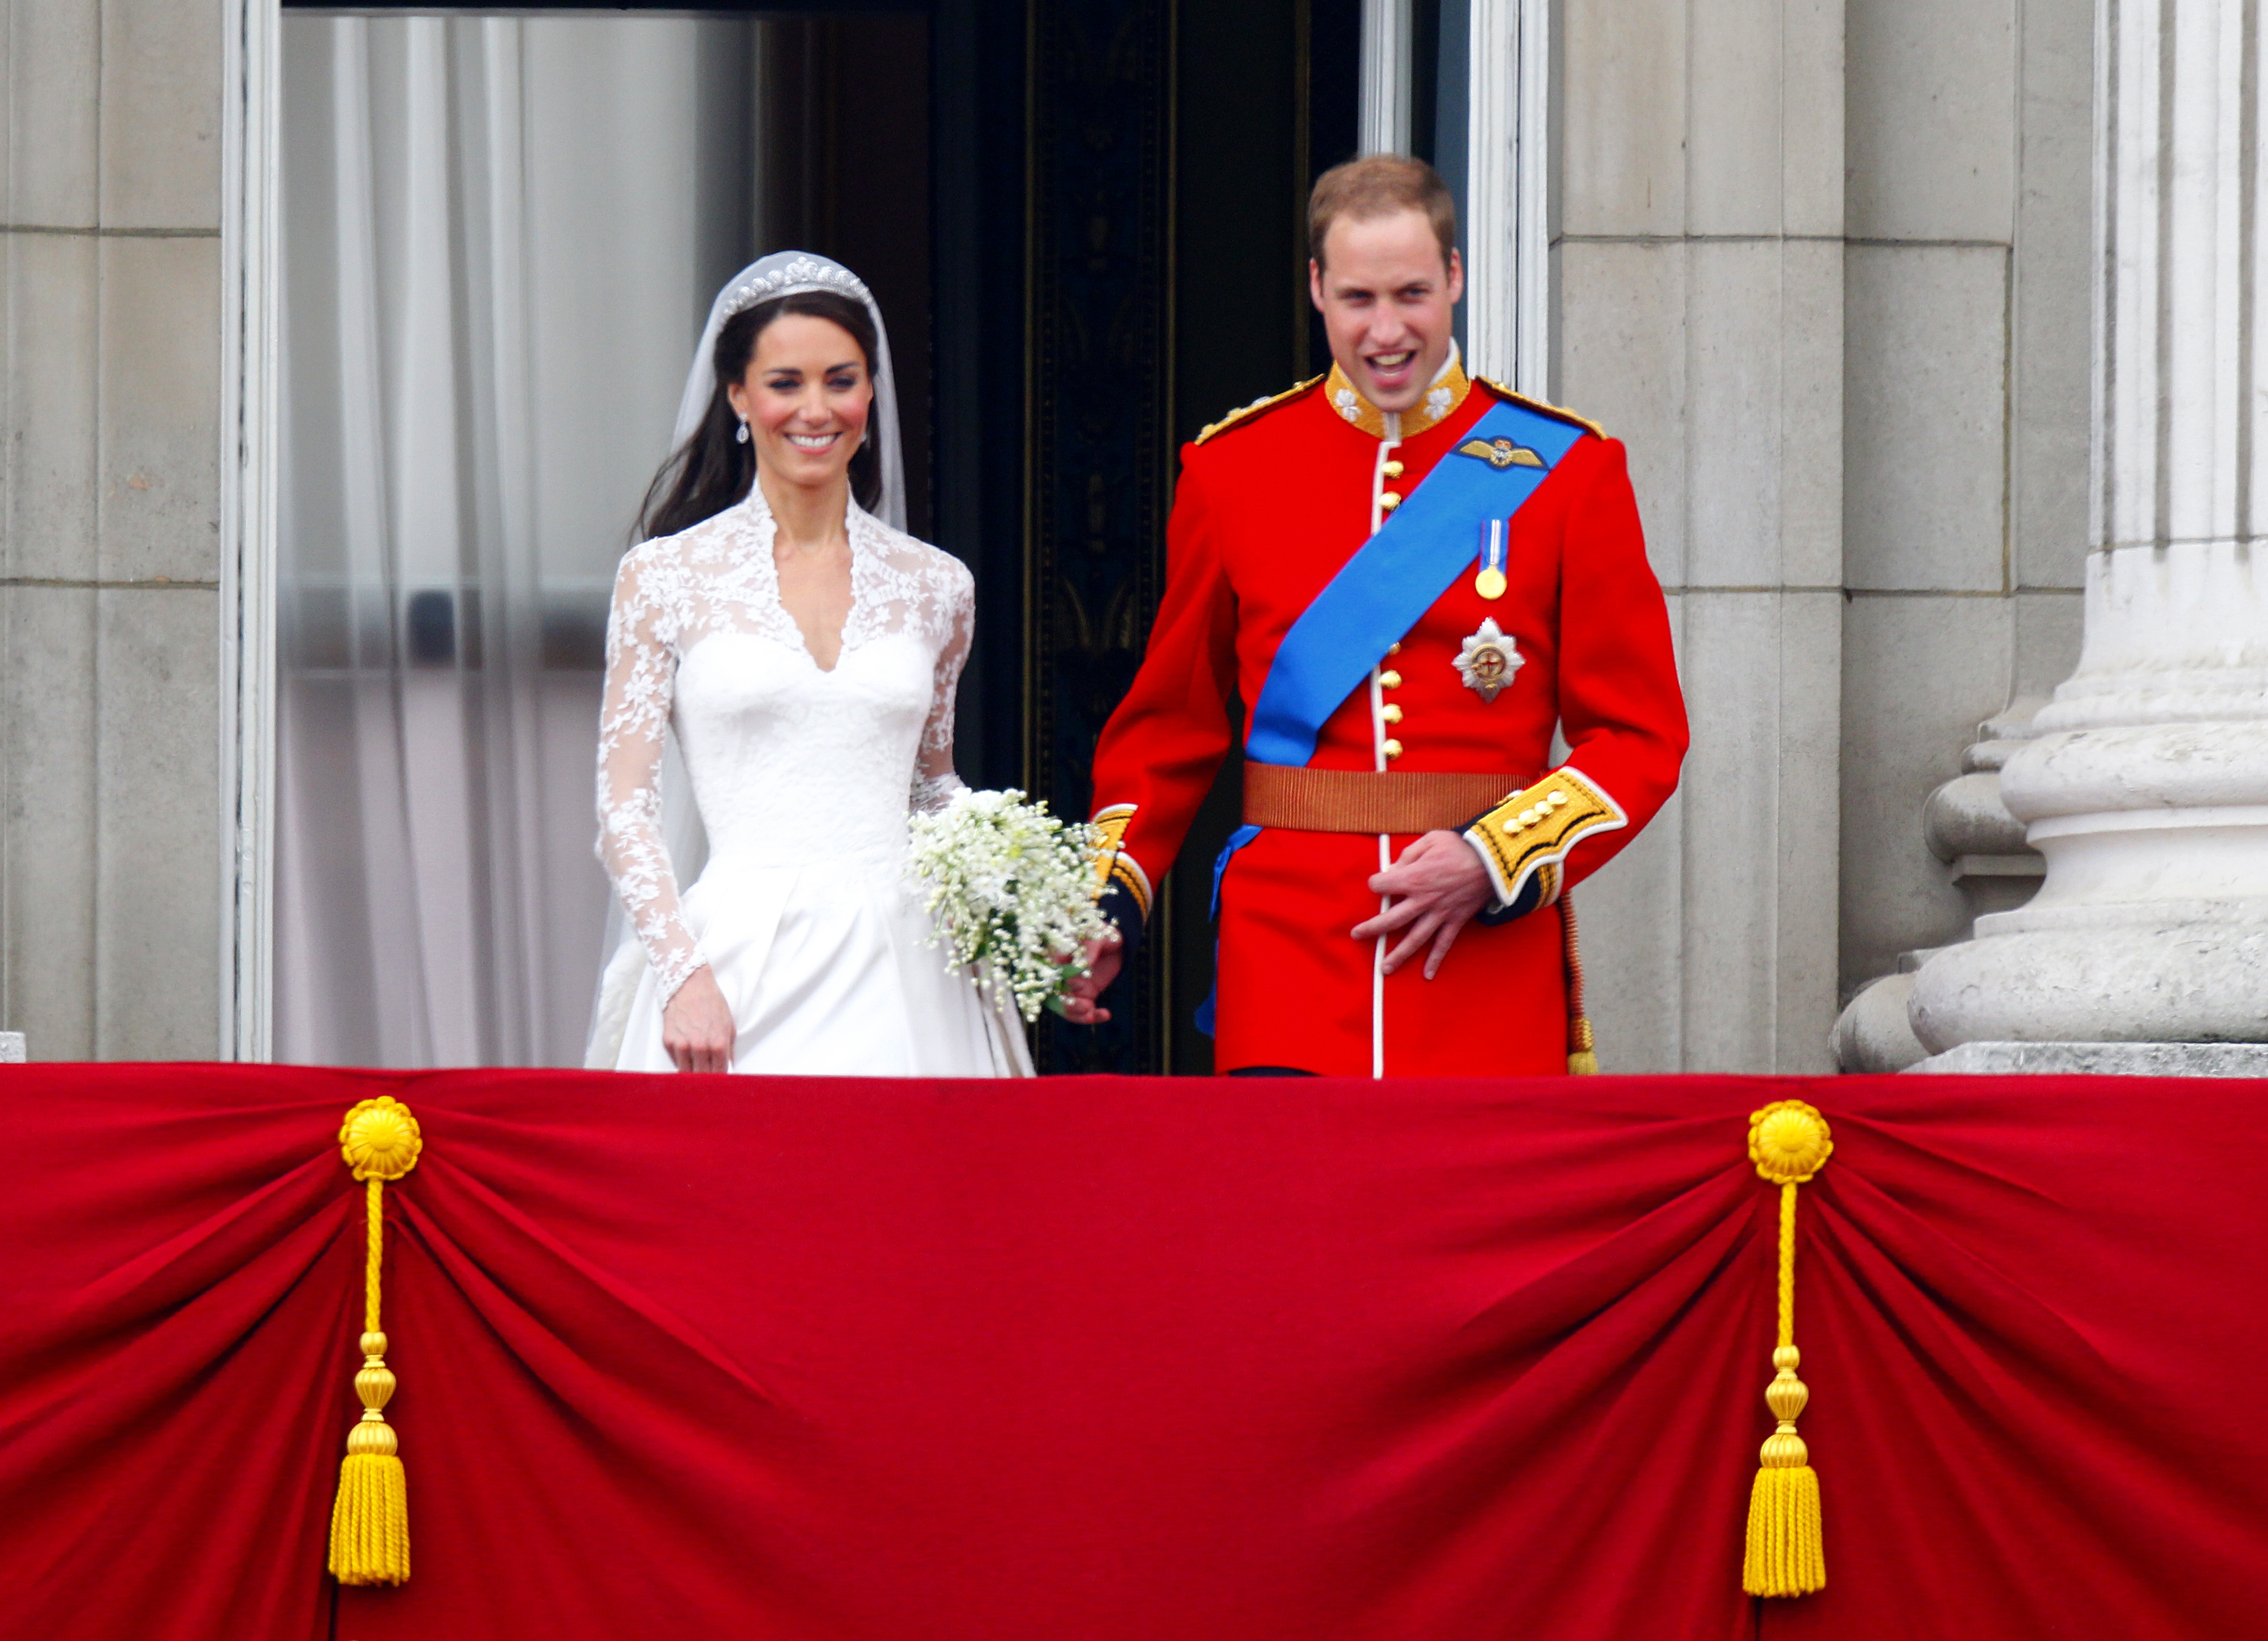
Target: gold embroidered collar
1448, 392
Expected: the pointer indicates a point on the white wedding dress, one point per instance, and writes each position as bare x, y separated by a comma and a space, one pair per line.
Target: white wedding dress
803, 777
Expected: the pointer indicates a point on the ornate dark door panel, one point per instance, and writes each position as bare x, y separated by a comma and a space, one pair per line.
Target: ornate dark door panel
1100, 358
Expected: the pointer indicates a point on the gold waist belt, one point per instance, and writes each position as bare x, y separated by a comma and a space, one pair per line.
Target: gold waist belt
1360, 800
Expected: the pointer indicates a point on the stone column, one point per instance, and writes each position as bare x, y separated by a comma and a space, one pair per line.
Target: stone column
2147, 785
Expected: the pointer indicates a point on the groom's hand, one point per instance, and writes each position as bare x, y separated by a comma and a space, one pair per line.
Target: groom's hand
1102, 958
1438, 886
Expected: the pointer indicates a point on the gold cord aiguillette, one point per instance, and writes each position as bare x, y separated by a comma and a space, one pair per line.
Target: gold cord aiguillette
1789, 1143
370, 1522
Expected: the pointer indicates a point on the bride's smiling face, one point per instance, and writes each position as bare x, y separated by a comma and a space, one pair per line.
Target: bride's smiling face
805, 396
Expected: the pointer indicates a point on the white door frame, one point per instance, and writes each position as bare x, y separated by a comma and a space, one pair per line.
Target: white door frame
1387, 49
1507, 175
251, 190
1508, 187
1508, 308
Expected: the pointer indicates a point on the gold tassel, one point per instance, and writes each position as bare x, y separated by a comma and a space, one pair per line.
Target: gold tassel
1582, 1051
1789, 1143
1582, 1057
370, 1520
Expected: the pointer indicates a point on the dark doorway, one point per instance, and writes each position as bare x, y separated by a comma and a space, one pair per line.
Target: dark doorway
1173, 146
1085, 222
846, 172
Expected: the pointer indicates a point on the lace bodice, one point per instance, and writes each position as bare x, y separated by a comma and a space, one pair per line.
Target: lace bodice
788, 763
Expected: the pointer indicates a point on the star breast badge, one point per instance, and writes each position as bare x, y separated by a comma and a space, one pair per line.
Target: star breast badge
1488, 660
1500, 452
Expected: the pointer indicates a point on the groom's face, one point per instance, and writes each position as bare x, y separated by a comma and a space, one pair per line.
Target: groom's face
1386, 293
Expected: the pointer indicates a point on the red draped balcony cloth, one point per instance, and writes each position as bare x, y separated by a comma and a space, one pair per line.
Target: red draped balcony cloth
1120, 1360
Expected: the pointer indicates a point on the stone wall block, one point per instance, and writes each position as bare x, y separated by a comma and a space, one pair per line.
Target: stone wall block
1730, 669
1919, 674
1633, 957
1736, 81
2052, 310
1811, 112
1622, 120
1733, 423
159, 480
1811, 413
2048, 425
1924, 415
1764, 398
1931, 116
1758, 706
2047, 641
49, 820
47, 172
1620, 342
49, 528
1808, 831
159, 919
161, 114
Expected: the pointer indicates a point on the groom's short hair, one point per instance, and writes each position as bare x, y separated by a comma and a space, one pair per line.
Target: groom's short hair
1378, 184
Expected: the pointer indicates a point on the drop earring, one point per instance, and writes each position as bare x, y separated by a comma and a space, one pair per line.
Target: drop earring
741, 437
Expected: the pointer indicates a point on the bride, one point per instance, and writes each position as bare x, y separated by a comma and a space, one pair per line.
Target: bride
801, 652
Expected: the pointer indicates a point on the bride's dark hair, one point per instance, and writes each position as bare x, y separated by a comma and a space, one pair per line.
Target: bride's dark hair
712, 470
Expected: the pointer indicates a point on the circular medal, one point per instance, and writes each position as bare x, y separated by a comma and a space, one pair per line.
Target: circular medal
1490, 582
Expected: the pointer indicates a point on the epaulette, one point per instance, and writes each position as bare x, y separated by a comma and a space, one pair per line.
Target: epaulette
1502, 391
1258, 406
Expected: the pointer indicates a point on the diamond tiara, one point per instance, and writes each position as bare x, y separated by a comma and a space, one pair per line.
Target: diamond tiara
805, 273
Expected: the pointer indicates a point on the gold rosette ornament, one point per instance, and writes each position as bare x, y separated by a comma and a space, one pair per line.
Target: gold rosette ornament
370, 1522
1789, 1143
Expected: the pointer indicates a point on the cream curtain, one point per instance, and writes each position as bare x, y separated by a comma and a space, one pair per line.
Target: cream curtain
501, 236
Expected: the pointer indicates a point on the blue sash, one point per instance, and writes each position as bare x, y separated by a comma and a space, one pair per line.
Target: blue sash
1378, 595
1394, 578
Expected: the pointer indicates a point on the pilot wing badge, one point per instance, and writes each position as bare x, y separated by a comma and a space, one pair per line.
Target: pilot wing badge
1500, 452
1488, 660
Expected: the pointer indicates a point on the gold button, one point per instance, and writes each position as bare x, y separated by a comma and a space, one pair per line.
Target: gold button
1388, 500
1393, 749
1393, 469
1391, 714
1390, 678
1393, 648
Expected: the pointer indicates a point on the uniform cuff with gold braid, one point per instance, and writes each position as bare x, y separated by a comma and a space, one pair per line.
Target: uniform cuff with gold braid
1525, 840
1541, 889
1123, 890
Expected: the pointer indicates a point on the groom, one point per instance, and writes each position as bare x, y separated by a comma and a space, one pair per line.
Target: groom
1411, 578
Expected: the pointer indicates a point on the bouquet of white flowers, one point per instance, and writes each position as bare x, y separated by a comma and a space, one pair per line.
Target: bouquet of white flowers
1011, 888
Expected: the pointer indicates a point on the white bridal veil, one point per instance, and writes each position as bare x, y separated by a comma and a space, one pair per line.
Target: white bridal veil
783, 273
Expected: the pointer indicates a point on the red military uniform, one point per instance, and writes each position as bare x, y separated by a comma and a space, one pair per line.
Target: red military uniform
1272, 502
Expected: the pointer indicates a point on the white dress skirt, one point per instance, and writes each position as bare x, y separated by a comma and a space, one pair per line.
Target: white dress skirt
825, 969
803, 777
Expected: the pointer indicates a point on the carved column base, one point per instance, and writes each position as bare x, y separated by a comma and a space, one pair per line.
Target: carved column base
2100, 1059
2146, 791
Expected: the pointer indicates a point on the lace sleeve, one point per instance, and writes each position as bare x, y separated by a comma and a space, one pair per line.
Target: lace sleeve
641, 675
934, 780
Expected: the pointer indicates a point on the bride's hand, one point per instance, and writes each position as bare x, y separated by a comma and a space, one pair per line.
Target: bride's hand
697, 1027
1102, 958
